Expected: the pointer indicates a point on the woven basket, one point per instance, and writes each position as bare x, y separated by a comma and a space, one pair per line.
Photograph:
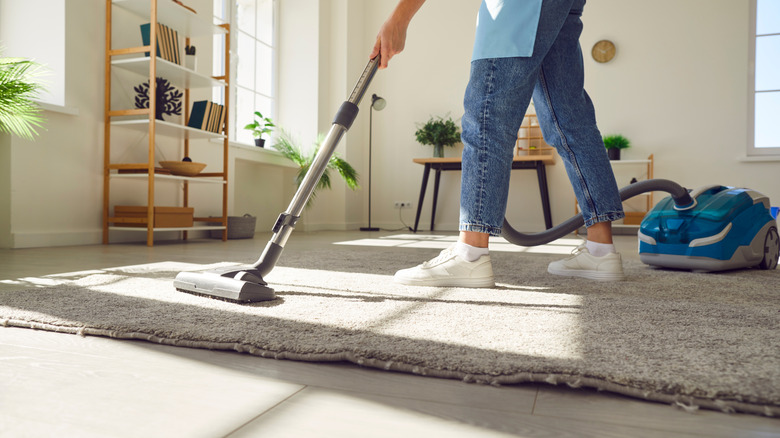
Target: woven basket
238, 227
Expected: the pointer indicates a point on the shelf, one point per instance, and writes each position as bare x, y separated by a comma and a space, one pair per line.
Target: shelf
630, 161
145, 176
168, 129
176, 74
132, 65
195, 228
175, 16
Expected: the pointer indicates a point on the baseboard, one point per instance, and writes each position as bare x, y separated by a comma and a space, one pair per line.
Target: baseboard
48, 239
321, 226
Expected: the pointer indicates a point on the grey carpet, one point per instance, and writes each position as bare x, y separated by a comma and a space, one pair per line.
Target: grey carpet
694, 339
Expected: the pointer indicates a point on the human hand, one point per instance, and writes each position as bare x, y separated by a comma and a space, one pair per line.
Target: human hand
390, 41
391, 38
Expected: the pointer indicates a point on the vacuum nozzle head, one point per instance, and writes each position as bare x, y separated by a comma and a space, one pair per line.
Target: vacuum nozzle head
237, 286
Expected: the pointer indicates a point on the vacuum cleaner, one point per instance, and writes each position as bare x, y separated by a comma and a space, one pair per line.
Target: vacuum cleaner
728, 228
246, 284
713, 228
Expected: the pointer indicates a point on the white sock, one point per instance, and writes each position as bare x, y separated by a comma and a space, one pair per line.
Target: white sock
599, 249
468, 252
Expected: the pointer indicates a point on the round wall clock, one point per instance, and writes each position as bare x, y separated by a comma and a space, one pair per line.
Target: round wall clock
603, 51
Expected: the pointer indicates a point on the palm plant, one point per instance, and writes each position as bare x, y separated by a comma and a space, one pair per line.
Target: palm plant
289, 149
19, 115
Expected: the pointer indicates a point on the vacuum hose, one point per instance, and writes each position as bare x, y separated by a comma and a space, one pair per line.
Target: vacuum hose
682, 201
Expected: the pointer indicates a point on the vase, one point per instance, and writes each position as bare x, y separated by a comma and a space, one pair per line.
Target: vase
614, 154
438, 151
190, 62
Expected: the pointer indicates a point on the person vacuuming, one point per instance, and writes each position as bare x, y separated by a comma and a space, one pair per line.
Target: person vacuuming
522, 49
548, 66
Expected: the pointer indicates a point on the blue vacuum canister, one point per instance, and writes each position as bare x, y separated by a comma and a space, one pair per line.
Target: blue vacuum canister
725, 228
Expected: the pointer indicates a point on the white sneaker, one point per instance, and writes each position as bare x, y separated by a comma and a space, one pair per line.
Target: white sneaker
583, 264
449, 269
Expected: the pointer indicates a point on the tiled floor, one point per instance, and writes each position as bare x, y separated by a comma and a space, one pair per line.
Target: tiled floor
67, 386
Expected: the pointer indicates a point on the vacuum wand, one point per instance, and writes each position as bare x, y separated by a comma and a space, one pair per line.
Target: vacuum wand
246, 284
341, 124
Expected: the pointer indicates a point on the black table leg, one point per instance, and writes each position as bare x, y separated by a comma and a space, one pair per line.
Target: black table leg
426, 171
435, 196
541, 173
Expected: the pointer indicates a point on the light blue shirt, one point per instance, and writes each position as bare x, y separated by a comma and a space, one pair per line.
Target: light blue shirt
506, 28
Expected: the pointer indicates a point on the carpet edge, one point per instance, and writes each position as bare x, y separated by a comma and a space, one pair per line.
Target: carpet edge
687, 403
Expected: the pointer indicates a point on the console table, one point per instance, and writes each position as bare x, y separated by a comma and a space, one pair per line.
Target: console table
537, 162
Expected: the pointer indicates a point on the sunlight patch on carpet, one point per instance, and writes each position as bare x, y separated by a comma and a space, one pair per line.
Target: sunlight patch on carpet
497, 244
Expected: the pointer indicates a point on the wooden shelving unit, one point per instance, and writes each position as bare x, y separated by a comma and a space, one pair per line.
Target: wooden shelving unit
530, 140
646, 172
642, 170
135, 61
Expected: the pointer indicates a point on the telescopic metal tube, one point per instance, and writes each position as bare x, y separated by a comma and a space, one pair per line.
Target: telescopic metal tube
341, 124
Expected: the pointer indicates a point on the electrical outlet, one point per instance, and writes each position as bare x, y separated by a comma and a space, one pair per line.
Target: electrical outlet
406, 204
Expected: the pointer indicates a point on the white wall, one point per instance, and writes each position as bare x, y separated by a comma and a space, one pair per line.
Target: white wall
5, 191
677, 88
19, 24
55, 181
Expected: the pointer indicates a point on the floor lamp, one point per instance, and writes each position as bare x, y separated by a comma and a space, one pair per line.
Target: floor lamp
377, 103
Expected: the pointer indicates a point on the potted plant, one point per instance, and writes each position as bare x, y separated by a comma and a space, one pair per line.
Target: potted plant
261, 125
19, 115
614, 143
439, 132
289, 149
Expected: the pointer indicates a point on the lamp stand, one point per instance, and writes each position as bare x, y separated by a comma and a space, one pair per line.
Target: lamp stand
370, 137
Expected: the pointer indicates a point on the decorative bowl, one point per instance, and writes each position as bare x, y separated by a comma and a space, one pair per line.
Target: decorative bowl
183, 168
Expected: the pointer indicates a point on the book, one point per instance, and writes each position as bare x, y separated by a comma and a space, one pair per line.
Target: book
213, 118
198, 115
208, 116
168, 47
221, 119
162, 40
173, 43
145, 37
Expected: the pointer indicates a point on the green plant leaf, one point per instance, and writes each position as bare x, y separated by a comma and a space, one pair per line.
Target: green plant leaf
19, 115
438, 131
287, 147
262, 126
616, 142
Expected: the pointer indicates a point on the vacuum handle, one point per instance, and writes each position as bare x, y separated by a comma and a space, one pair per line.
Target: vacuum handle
362, 84
341, 123
349, 109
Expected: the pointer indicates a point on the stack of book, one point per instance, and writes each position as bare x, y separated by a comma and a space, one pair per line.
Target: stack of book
168, 47
208, 116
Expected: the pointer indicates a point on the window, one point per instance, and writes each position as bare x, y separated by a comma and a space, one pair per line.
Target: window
253, 71
35, 29
765, 78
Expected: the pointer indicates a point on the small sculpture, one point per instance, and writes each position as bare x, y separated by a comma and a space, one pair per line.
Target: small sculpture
168, 98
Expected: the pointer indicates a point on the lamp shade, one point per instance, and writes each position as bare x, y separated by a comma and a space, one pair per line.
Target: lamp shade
378, 103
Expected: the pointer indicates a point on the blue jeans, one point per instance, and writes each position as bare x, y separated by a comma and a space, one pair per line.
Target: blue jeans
497, 96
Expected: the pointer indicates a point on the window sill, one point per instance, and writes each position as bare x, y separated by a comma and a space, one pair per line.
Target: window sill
252, 153
759, 159
69, 110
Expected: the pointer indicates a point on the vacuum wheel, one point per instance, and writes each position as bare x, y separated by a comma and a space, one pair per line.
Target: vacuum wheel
771, 250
